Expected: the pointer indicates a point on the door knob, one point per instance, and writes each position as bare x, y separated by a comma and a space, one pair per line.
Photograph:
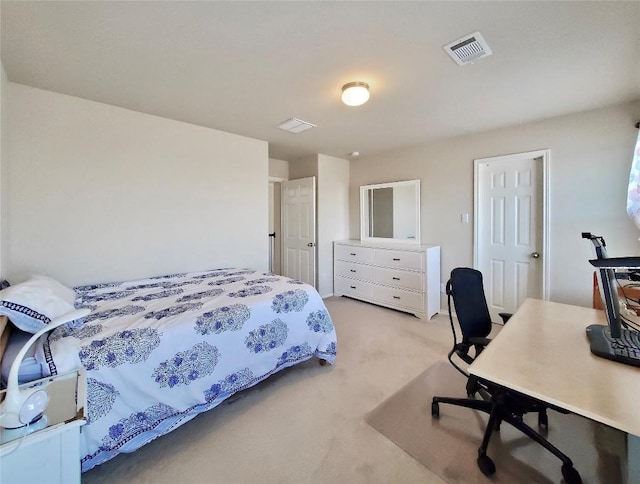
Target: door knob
535, 255
311, 244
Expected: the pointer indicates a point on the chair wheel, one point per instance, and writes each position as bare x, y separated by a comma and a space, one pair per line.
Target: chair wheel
570, 474
435, 409
486, 465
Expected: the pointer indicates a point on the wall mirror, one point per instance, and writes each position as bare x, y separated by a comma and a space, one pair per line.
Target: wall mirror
390, 212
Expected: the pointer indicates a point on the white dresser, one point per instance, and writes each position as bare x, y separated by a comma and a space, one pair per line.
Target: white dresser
399, 276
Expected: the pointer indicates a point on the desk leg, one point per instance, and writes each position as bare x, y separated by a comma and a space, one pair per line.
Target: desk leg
633, 459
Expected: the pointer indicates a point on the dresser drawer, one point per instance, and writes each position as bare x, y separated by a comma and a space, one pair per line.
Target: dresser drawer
354, 270
350, 287
398, 258
399, 297
354, 254
399, 278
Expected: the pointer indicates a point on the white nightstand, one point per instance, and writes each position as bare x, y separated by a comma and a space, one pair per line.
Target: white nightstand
50, 452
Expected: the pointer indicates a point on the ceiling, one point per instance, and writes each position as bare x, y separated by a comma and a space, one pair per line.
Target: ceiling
244, 67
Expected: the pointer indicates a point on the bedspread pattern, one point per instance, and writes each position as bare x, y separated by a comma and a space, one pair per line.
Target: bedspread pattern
159, 351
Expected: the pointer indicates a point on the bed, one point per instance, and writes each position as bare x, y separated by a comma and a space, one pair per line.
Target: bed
159, 351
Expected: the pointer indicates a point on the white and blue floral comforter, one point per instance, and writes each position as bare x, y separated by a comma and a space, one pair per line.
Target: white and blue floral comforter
159, 351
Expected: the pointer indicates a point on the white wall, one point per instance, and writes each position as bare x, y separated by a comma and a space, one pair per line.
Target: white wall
333, 216
303, 168
4, 148
278, 169
591, 155
101, 193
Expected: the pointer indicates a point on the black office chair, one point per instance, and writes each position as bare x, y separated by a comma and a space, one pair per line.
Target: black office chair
466, 289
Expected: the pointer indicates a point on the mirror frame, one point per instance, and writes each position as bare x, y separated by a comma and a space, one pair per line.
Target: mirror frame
364, 212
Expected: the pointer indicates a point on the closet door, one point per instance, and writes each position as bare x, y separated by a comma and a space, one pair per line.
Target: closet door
510, 244
299, 229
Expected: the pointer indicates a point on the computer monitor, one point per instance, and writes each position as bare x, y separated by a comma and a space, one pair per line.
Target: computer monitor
612, 341
606, 283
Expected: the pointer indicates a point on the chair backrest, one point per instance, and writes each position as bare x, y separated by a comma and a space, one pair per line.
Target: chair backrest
467, 291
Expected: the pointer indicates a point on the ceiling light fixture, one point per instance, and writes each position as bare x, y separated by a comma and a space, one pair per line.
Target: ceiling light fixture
355, 93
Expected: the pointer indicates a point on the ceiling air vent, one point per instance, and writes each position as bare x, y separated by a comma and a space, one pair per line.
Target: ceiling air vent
468, 48
295, 125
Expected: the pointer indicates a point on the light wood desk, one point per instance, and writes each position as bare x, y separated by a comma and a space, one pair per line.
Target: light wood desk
543, 352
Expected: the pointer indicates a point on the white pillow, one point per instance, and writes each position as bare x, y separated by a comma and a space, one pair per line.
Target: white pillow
32, 304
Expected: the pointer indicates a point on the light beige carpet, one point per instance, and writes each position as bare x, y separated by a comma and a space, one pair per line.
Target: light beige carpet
448, 445
304, 425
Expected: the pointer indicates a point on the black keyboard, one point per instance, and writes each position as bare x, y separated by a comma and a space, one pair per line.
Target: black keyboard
625, 347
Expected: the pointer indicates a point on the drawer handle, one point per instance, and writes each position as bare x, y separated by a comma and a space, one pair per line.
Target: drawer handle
352, 287
352, 253
352, 270
396, 259
395, 278
396, 297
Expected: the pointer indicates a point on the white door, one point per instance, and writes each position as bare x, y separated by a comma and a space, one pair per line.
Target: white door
299, 229
510, 235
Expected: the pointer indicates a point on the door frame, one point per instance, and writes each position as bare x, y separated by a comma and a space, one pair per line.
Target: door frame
545, 156
275, 210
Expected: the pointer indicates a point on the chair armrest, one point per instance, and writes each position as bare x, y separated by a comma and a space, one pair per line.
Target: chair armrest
478, 341
505, 317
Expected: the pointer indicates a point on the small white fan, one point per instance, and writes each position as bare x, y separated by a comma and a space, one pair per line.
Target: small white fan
22, 406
